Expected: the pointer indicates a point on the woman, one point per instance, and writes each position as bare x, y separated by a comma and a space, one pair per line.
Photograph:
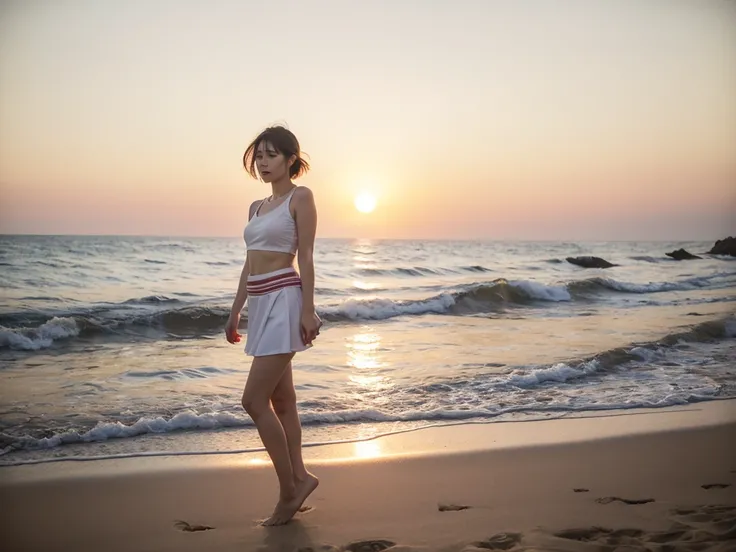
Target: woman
281, 316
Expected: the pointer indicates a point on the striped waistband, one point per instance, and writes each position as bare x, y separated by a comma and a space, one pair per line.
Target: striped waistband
268, 283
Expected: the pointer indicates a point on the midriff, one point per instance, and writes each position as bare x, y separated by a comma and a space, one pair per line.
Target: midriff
262, 262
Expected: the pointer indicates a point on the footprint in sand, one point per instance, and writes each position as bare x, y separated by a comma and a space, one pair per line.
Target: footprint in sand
710, 486
452, 507
609, 499
189, 528
369, 546
500, 541
581, 490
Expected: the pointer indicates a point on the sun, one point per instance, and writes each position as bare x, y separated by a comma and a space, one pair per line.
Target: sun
365, 202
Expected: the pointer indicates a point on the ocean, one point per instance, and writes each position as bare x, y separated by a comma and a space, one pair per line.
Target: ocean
114, 346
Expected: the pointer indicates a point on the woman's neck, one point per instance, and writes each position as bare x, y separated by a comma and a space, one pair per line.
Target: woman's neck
281, 187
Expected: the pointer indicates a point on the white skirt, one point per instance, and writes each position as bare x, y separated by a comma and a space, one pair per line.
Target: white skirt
274, 314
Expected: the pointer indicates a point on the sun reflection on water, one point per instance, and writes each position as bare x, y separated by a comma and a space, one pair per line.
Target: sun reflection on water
363, 351
365, 286
366, 376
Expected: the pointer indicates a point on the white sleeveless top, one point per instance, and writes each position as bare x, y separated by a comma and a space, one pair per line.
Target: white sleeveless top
272, 231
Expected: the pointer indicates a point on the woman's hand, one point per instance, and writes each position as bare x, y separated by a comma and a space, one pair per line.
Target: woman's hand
231, 328
310, 326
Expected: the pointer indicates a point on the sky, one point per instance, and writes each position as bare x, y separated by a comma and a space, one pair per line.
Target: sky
466, 119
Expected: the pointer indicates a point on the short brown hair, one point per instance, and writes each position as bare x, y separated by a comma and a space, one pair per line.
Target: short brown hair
283, 141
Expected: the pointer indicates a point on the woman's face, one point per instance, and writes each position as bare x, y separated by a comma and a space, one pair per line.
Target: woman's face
271, 164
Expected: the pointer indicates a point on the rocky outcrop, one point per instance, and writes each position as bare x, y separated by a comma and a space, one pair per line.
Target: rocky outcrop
724, 247
590, 262
682, 255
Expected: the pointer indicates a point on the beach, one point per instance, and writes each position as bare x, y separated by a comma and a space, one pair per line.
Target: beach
645, 479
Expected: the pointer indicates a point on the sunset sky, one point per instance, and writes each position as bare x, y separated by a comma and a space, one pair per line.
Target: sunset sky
548, 119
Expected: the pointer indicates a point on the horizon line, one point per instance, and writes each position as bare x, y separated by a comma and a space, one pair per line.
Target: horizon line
354, 238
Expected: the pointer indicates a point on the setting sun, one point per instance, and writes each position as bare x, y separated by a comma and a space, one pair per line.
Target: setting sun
365, 202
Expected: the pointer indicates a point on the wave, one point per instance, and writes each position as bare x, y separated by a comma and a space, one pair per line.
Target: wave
475, 298
192, 421
176, 318
599, 283
482, 395
402, 271
41, 337
500, 294
418, 271
179, 322
609, 360
151, 299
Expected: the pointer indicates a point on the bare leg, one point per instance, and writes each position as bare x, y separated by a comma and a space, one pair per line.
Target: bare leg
265, 374
284, 404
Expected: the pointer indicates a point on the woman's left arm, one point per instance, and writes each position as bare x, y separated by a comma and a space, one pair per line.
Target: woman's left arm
305, 214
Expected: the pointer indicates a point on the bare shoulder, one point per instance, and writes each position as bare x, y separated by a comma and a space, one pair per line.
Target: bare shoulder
302, 193
303, 199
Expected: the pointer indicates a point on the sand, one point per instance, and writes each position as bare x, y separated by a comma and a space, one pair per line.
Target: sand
660, 480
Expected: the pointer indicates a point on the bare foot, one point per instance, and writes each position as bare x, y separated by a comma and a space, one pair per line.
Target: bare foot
286, 509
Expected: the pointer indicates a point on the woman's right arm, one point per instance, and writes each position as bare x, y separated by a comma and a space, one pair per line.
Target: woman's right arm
242, 293
233, 321
231, 328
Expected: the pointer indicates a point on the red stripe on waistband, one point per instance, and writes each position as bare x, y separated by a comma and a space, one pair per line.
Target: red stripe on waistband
275, 283
290, 281
256, 285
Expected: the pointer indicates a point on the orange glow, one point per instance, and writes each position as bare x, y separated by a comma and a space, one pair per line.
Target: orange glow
517, 137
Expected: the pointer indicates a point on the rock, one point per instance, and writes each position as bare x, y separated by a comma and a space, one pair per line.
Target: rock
590, 262
724, 247
682, 255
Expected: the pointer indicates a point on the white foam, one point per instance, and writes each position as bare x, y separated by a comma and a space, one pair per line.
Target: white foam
379, 309
116, 430
647, 355
654, 287
536, 290
41, 337
559, 373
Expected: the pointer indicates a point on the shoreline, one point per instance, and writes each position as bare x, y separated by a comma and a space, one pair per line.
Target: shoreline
434, 439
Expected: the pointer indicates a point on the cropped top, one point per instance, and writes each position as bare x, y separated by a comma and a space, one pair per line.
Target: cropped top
272, 231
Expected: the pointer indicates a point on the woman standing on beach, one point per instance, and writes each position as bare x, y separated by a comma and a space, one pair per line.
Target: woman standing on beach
281, 315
